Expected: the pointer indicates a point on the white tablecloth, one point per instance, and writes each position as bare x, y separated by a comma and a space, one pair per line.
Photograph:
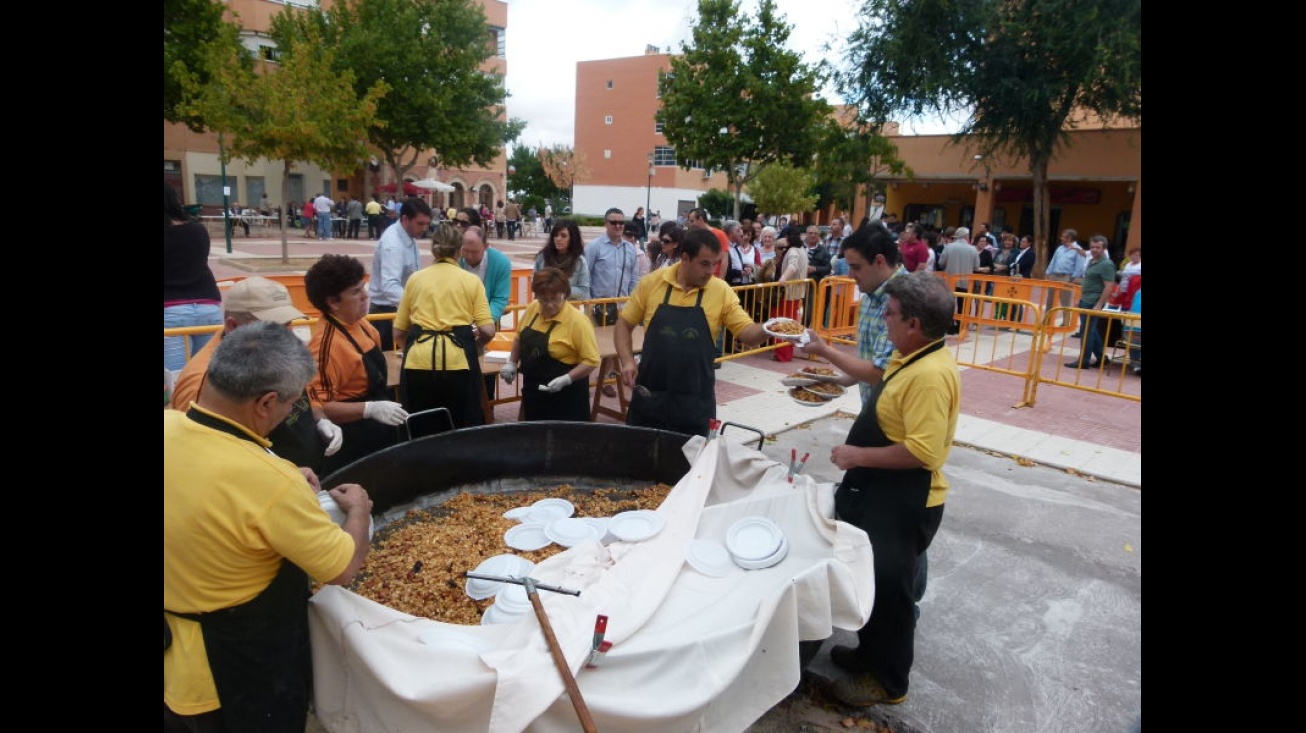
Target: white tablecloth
690, 653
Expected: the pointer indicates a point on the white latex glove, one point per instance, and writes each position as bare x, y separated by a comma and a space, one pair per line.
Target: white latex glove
333, 435
384, 412
557, 384
508, 373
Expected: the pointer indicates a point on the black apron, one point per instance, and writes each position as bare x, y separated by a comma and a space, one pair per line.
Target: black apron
296, 438
460, 391
258, 651
537, 368
676, 368
363, 437
889, 504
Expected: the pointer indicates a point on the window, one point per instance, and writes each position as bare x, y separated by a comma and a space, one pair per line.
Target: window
172, 176
607, 119
664, 155
208, 189
607, 155
342, 184
609, 83
657, 127
269, 53
295, 189
498, 42
255, 187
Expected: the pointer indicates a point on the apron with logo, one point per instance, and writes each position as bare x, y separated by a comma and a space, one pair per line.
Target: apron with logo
676, 368
537, 368
363, 437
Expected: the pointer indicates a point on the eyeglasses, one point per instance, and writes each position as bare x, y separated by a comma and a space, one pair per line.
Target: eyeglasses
462, 222
612, 223
665, 240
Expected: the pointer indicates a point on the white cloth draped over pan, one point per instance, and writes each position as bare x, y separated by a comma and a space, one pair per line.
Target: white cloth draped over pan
690, 653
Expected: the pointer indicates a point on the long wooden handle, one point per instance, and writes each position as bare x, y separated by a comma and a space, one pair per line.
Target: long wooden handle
560, 661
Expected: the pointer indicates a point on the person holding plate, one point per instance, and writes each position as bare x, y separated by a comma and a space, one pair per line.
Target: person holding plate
682, 308
557, 351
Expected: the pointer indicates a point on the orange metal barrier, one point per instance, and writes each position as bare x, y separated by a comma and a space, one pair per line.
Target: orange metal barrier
1111, 376
837, 301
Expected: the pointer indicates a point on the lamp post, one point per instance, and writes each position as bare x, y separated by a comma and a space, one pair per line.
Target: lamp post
226, 193
648, 193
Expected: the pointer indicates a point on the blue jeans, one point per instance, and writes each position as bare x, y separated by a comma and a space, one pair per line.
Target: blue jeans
323, 225
1090, 336
189, 314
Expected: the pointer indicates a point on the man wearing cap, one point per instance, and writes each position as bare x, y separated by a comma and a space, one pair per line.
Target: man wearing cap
296, 438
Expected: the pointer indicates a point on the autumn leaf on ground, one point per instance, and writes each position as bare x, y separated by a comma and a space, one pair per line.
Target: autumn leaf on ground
1025, 462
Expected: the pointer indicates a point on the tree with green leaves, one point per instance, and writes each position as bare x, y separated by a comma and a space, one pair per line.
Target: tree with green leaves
781, 187
718, 204
851, 156
431, 53
736, 99
297, 110
193, 33
526, 178
1023, 72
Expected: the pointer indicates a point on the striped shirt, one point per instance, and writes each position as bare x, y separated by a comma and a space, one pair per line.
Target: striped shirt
873, 343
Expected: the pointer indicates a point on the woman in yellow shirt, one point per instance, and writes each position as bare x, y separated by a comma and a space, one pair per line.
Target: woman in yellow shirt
557, 351
442, 317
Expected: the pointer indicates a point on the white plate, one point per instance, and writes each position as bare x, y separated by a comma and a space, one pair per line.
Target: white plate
572, 531
636, 525
797, 381
793, 394
766, 562
520, 513
821, 377
708, 557
450, 640
768, 325
504, 566
753, 538
547, 510
838, 390
527, 537
333, 510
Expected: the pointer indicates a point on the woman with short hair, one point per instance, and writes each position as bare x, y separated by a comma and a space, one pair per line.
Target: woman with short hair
556, 350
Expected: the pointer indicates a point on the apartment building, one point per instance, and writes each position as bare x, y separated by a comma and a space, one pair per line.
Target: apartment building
191, 163
1095, 182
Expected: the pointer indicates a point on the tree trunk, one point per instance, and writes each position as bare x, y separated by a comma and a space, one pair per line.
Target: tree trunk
285, 211
1038, 167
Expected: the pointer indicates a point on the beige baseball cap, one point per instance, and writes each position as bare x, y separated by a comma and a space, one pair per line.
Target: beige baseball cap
266, 300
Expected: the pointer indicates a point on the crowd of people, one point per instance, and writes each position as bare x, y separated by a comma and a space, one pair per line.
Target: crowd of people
257, 415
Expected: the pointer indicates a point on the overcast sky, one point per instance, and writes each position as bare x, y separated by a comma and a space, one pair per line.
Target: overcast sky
547, 37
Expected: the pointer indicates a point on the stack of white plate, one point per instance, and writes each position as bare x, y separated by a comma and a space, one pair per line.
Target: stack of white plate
756, 543
504, 566
547, 510
333, 510
509, 605
572, 531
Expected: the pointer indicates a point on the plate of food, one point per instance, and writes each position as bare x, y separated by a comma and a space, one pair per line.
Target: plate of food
798, 379
828, 390
784, 328
820, 373
805, 398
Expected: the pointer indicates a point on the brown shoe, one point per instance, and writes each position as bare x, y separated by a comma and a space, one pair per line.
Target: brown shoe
863, 691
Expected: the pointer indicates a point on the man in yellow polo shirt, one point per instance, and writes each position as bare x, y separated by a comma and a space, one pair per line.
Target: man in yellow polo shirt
682, 308
242, 535
373, 211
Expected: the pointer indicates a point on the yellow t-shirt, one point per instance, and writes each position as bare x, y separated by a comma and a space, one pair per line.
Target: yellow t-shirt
437, 298
373, 207
573, 341
919, 408
720, 301
231, 512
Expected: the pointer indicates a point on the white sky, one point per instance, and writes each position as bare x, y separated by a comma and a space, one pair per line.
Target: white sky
546, 38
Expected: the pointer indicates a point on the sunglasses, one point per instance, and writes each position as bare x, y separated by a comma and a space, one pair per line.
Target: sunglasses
616, 223
664, 240
462, 222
